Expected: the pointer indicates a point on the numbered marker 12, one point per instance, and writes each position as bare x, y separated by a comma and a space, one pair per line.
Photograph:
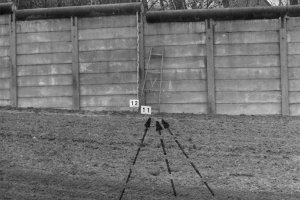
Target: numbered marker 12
134, 103
146, 110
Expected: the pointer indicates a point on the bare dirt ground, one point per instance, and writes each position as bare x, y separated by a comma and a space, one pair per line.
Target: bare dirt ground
51, 154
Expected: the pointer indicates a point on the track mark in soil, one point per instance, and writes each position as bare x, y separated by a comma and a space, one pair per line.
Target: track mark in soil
244, 175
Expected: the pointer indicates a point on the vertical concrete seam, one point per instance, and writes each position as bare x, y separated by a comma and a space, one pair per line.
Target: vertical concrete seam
284, 81
13, 61
210, 67
142, 54
75, 64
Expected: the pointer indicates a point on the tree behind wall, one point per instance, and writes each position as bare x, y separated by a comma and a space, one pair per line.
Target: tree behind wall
163, 4
26, 4
178, 4
293, 2
153, 4
182, 4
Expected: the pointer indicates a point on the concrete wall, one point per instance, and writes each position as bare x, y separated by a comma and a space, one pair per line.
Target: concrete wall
108, 62
4, 60
184, 75
222, 67
44, 63
293, 39
247, 67
248, 62
46, 50
245, 73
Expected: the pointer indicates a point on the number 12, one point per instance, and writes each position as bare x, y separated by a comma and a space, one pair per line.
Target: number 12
134, 103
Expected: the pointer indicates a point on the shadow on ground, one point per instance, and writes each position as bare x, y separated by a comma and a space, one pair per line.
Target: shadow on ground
30, 184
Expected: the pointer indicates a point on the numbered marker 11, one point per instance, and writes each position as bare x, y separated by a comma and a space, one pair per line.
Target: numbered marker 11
134, 103
146, 110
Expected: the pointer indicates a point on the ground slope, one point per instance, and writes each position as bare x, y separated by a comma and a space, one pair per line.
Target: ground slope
49, 154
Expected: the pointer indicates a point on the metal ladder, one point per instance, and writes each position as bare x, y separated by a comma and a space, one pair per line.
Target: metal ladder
153, 75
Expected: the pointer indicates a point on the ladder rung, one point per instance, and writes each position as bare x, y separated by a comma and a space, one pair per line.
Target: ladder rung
157, 55
152, 90
154, 72
156, 75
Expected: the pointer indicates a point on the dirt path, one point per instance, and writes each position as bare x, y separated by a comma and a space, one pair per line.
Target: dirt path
49, 154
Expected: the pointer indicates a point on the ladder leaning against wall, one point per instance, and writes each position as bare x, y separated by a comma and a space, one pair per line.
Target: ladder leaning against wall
153, 76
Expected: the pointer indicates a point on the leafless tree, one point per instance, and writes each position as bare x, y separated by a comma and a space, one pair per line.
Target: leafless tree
24, 4
151, 4
293, 2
